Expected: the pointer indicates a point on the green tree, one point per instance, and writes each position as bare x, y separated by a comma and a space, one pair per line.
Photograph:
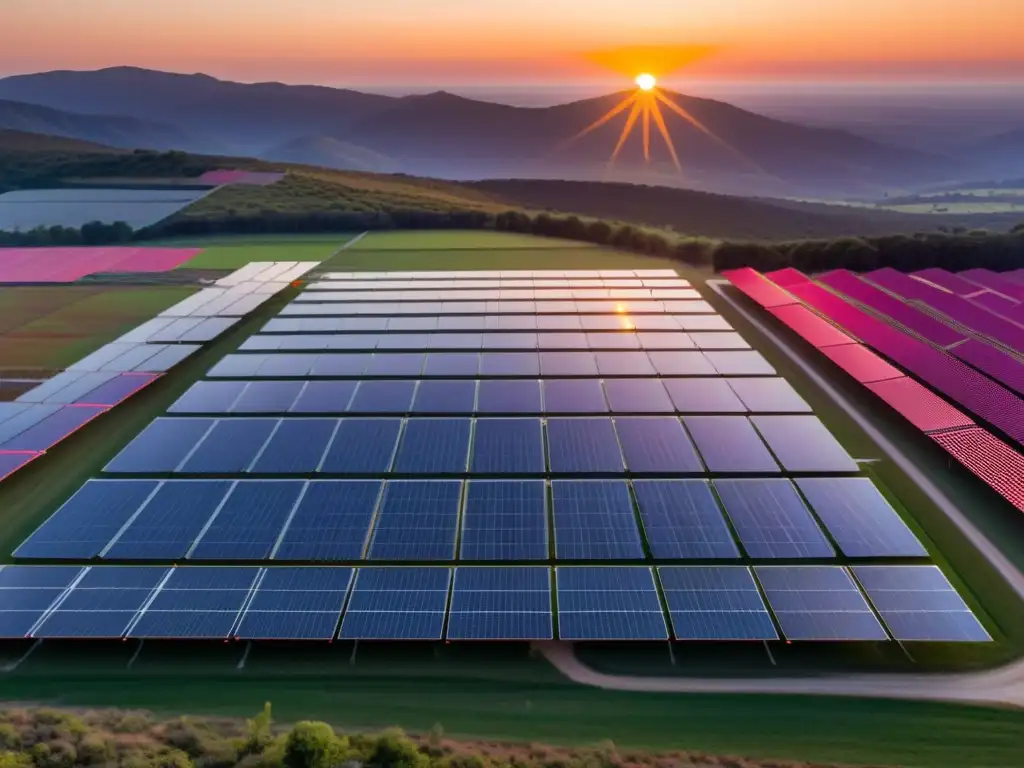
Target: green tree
396, 750
259, 731
313, 745
10, 759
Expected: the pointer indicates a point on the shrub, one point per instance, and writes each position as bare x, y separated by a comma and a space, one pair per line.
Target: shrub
313, 745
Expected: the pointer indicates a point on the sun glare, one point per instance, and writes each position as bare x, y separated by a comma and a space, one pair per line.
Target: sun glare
646, 82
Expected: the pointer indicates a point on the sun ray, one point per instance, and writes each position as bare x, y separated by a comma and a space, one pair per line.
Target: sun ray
659, 120
647, 129
611, 113
626, 130
703, 129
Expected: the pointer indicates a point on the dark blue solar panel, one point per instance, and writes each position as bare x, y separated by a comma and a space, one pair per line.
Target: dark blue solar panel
508, 446
209, 397
12, 462
682, 520
197, 602
233, 366
362, 446
803, 444
638, 396
383, 397
859, 518
397, 604
771, 519
18, 577
87, 521
53, 428
452, 364
231, 446
511, 603
583, 445
703, 395
434, 446
287, 365
445, 397
609, 603
325, 397
730, 444
268, 397
103, 603
296, 604
396, 364
166, 527
508, 396
917, 602
161, 446
27, 592
339, 365
656, 444
332, 521
715, 603
509, 364
417, 520
249, 522
505, 520
818, 602
568, 364
594, 520
296, 448
574, 396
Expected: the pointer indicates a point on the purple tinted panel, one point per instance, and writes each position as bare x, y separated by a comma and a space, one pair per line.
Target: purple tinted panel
994, 281
880, 301
903, 285
757, 288
1001, 366
787, 277
999, 304
12, 462
993, 461
947, 280
921, 407
118, 389
861, 363
53, 428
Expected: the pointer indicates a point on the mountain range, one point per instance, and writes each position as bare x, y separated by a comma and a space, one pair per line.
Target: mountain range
448, 136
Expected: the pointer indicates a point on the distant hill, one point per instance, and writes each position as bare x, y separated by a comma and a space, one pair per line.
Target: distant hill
331, 153
24, 141
1002, 153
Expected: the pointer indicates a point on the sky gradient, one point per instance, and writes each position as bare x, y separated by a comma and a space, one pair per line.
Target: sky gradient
392, 42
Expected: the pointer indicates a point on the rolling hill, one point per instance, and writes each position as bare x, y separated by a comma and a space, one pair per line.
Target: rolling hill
25, 141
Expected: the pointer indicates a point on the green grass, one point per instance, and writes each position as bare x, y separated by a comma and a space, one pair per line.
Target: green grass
589, 257
430, 240
940, 208
232, 255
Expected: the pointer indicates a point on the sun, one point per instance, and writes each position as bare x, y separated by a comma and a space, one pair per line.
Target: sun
646, 82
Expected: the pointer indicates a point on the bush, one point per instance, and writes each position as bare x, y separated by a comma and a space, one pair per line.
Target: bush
394, 749
9, 737
313, 745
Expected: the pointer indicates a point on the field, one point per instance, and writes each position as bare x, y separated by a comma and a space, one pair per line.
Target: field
455, 240
497, 691
45, 329
232, 254
28, 209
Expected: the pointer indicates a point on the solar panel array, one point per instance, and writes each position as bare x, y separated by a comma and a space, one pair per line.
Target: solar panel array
415, 463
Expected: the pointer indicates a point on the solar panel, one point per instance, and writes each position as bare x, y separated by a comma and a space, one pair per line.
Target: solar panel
28, 591
396, 364
715, 603
719, 340
508, 396
609, 340
418, 520
703, 395
505, 520
507, 603
574, 396
624, 364
656, 444
331, 521
324, 397
508, 446
397, 604
230, 447
509, 364
103, 603
209, 397
917, 602
249, 521
764, 395
594, 520
234, 366
638, 396
803, 444
730, 444
86, 522
445, 397
434, 446
583, 445
452, 364
197, 603
162, 446
362, 447
383, 397
859, 518
740, 363
771, 519
12, 462
54, 428
324, 366
171, 520
651, 340
682, 520
609, 603
818, 602
296, 603
296, 447
267, 397
680, 363
568, 364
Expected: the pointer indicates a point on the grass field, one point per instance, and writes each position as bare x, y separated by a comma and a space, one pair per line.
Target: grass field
44, 329
449, 240
225, 254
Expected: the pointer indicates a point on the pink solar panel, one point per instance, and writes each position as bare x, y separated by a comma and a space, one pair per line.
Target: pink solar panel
66, 265
12, 461
1001, 366
947, 280
999, 304
757, 288
861, 363
818, 332
920, 406
994, 282
787, 277
993, 461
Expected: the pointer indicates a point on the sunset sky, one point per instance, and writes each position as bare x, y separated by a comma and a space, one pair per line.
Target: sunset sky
415, 42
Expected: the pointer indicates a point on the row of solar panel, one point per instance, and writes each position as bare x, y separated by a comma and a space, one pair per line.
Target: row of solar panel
497, 323
457, 446
169, 330
376, 278
528, 364
348, 520
134, 357
340, 307
494, 396
237, 298
484, 292
811, 603
80, 387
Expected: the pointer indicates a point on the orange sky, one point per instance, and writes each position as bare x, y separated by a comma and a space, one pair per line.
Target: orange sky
488, 41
